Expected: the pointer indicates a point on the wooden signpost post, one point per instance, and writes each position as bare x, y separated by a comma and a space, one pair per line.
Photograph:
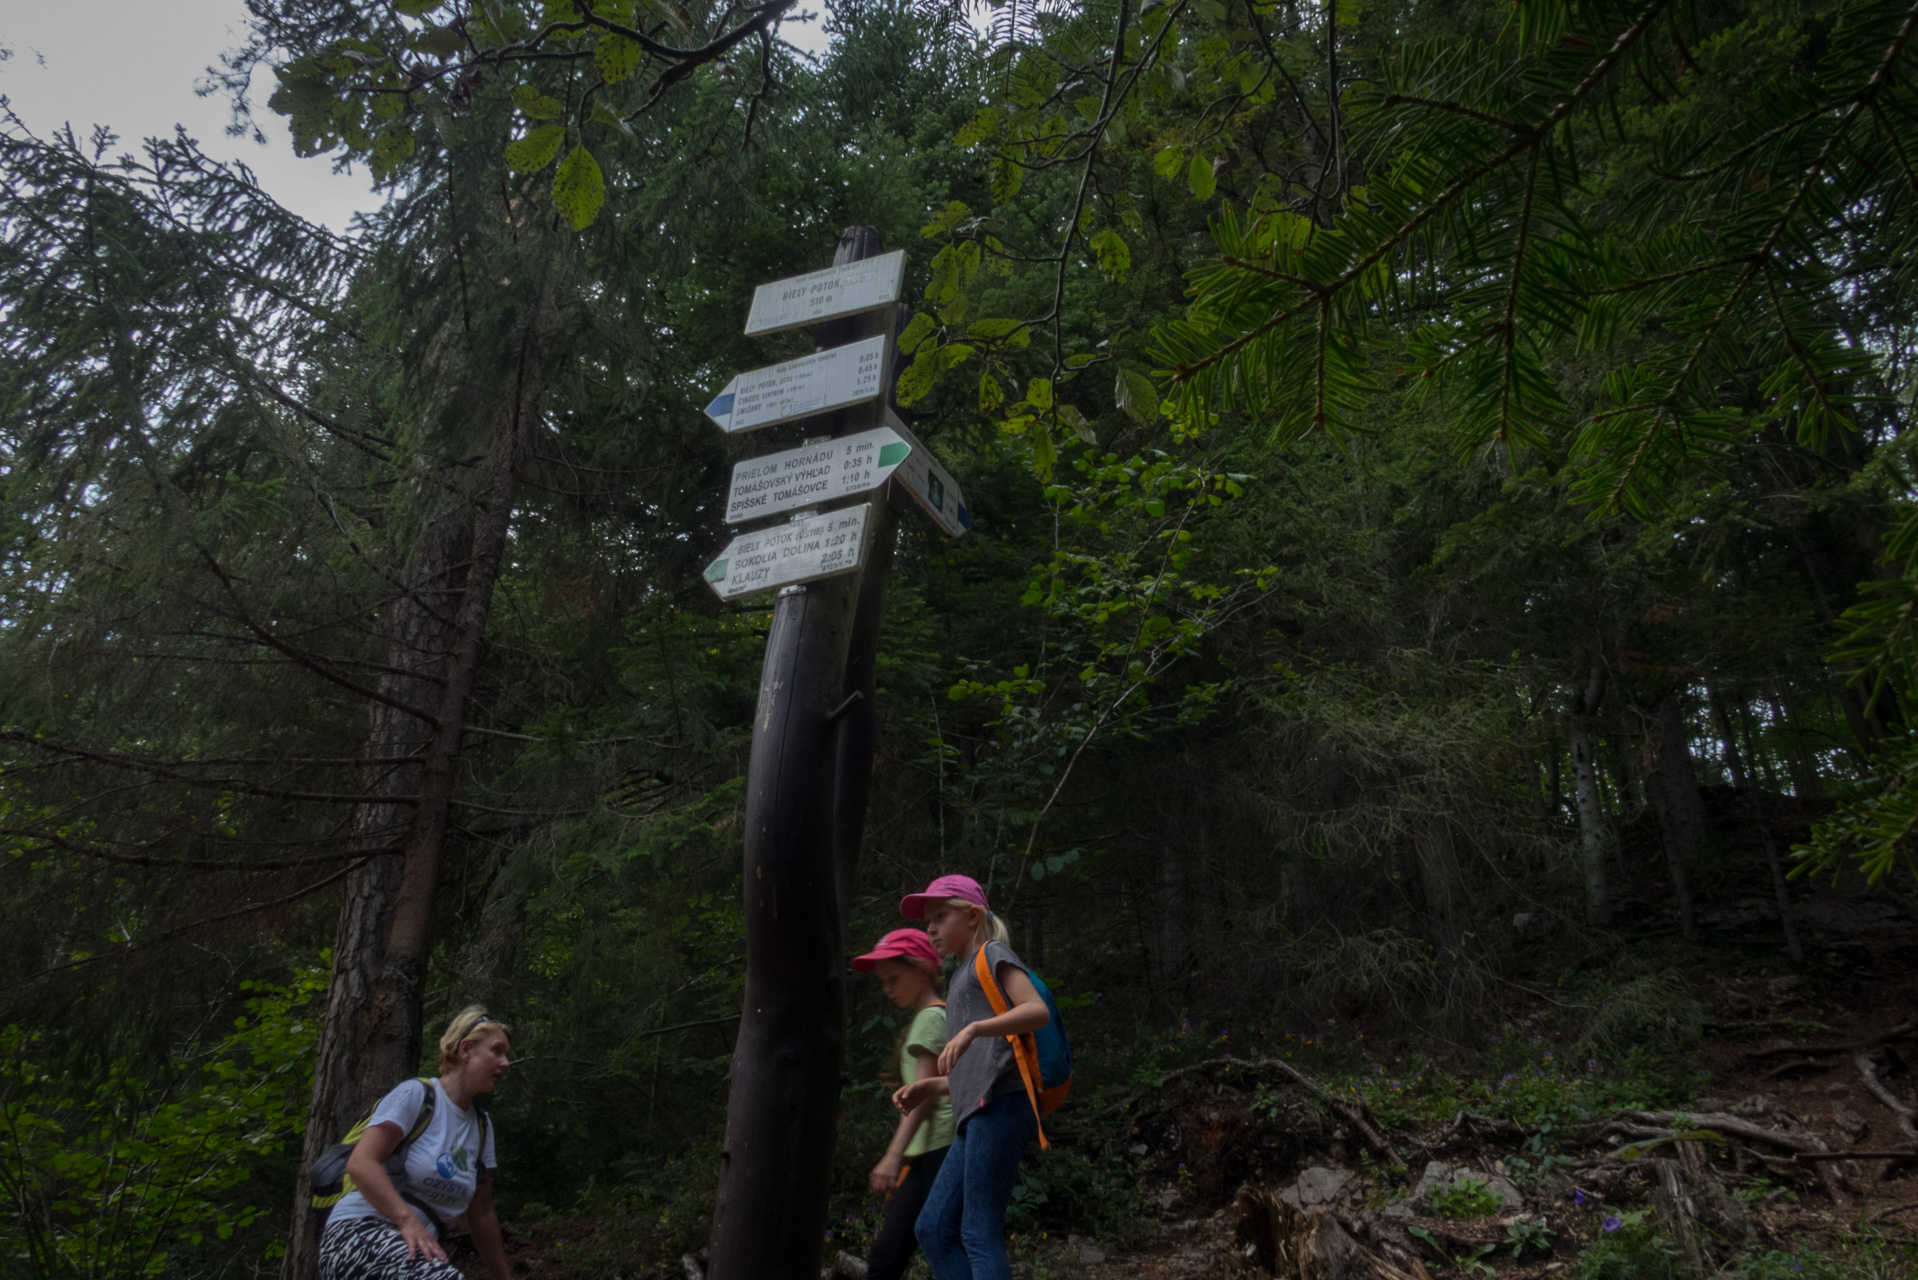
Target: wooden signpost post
811, 765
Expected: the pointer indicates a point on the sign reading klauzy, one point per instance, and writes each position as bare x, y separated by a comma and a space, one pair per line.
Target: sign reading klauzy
811, 384
827, 295
800, 551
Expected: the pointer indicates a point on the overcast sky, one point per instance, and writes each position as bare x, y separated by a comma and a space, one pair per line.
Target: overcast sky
133, 65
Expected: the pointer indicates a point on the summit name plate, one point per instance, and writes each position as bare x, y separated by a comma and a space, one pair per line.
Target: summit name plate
827, 295
799, 551
824, 380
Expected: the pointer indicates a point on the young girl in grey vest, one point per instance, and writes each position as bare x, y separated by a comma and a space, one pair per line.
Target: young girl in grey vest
963, 1225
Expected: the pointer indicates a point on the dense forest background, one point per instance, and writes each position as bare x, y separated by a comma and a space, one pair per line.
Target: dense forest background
1443, 539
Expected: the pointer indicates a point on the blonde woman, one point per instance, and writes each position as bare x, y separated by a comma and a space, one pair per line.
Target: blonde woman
388, 1227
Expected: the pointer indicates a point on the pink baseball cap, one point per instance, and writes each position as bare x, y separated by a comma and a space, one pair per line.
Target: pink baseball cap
913, 905
900, 944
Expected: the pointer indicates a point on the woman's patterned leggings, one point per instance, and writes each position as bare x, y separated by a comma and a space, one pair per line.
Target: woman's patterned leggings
373, 1249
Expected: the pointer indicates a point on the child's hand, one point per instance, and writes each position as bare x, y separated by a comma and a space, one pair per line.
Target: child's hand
885, 1174
908, 1096
956, 1047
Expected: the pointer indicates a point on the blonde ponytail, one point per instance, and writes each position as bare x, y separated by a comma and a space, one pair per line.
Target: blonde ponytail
991, 927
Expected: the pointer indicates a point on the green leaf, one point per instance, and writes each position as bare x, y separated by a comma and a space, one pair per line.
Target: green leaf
536, 104
1199, 178
918, 329
391, 148
616, 57
1077, 422
1168, 162
1039, 393
978, 129
417, 8
1115, 257
917, 380
1008, 175
578, 188
536, 150
606, 115
991, 394
1134, 393
442, 42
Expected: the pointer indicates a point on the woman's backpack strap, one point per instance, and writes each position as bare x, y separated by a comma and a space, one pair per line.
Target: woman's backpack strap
1025, 1050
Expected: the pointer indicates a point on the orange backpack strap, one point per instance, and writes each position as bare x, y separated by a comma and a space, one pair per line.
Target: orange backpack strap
1025, 1050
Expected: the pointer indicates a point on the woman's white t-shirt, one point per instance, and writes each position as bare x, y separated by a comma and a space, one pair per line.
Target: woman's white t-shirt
442, 1164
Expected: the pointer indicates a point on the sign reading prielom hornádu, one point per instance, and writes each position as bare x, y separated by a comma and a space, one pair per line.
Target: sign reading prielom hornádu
823, 471
827, 295
828, 470
802, 550
812, 384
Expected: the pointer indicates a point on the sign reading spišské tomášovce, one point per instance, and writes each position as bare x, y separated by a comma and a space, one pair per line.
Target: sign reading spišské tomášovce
827, 295
828, 470
829, 379
802, 550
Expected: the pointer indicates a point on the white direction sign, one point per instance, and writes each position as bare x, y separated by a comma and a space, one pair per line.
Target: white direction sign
827, 295
824, 471
811, 384
798, 551
930, 482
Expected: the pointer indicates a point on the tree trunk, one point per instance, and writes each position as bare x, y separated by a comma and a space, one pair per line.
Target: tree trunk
1681, 813
1447, 905
371, 1038
1734, 763
1805, 779
1591, 809
805, 800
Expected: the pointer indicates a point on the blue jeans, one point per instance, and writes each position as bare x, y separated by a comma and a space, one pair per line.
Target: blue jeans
963, 1226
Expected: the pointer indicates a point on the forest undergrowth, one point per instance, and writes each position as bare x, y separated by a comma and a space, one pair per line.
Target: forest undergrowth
1626, 1106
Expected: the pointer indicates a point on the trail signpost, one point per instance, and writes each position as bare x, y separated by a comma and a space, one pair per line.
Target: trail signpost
812, 547
828, 470
811, 767
800, 388
827, 295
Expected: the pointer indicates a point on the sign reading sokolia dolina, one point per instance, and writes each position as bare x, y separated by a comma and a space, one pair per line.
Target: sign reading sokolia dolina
814, 546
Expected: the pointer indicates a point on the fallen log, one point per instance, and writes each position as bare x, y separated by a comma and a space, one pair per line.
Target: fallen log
1352, 1111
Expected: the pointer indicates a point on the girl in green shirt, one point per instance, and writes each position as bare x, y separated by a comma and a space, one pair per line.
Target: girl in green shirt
908, 971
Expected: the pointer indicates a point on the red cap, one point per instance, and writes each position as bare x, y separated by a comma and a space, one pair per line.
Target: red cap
944, 889
900, 944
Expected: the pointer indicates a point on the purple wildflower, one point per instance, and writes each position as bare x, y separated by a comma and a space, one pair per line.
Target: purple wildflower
1611, 1223
1578, 1197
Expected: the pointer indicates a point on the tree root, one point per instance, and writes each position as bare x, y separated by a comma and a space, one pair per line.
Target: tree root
1907, 1116
1352, 1111
1904, 1028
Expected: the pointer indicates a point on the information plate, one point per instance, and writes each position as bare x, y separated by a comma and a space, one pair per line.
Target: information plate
799, 551
827, 295
825, 380
815, 473
930, 482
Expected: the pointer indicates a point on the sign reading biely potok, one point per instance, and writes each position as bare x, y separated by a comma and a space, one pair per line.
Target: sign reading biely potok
826, 295
825, 380
800, 551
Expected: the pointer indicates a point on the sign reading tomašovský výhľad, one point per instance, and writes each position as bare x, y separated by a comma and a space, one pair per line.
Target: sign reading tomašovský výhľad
829, 379
824, 471
800, 551
827, 295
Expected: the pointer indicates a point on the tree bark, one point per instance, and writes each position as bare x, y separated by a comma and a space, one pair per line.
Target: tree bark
1447, 905
1591, 809
1734, 762
371, 1037
805, 800
1681, 813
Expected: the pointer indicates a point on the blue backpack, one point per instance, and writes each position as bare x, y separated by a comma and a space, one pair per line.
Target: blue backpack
1044, 1056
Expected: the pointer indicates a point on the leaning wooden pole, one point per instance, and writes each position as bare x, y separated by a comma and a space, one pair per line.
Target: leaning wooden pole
782, 1112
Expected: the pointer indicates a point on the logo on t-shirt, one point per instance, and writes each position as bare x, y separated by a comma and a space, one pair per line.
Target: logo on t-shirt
452, 1164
